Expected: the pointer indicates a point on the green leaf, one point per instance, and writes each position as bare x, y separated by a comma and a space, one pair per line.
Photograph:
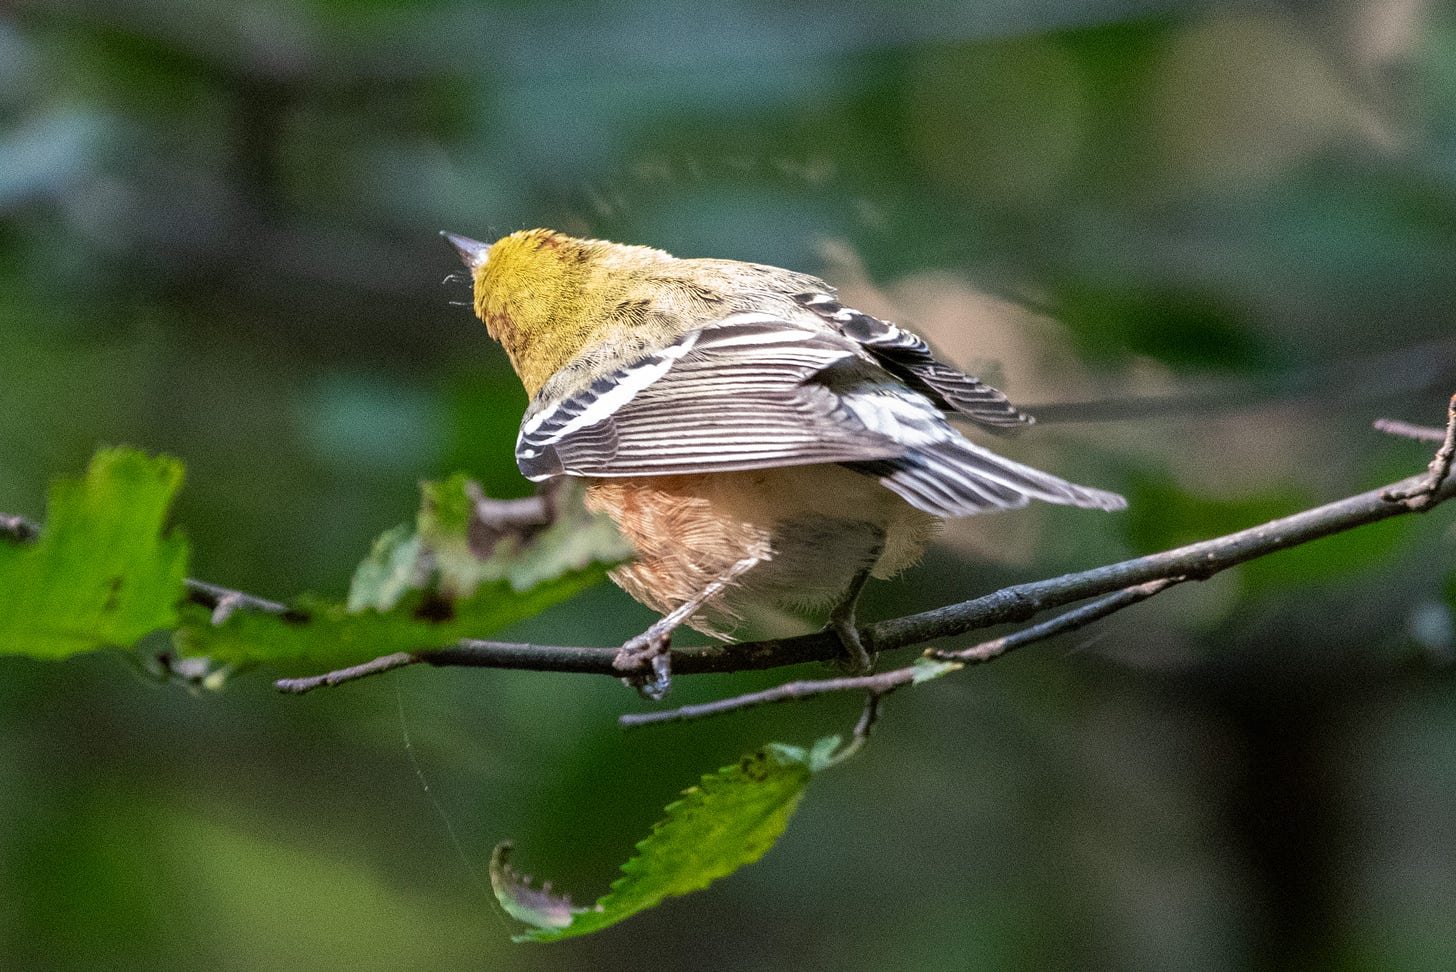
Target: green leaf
102, 572
426, 588
728, 820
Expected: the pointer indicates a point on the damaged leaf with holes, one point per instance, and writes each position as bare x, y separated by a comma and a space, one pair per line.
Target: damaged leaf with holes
469, 567
104, 571
463, 540
730, 819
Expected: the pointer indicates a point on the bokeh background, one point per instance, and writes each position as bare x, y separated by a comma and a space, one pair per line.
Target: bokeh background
1212, 241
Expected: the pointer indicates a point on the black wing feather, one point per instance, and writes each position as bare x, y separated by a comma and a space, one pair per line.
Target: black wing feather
908, 357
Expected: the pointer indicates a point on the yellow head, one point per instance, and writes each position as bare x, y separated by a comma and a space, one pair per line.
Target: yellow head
548, 297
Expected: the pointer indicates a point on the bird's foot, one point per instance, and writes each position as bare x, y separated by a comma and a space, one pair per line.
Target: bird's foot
857, 659
647, 660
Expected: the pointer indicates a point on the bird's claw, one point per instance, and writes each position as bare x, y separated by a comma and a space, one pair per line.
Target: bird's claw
647, 660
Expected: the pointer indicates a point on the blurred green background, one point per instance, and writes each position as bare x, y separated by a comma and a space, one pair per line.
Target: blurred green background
1213, 241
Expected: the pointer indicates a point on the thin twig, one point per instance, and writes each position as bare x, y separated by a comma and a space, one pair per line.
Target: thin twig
876, 685
1423, 495
298, 686
492, 520
868, 717
1070, 621
1420, 433
224, 600
883, 683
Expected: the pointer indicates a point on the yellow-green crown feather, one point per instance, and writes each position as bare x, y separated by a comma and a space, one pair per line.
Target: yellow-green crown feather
548, 297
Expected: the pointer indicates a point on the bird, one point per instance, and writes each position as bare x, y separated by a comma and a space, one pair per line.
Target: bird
760, 444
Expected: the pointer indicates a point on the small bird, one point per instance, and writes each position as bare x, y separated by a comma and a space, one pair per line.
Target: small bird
762, 445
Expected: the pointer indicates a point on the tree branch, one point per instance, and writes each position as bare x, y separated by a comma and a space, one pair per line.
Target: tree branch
883, 683
1423, 495
1016, 603
1204, 559
1011, 604
387, 663
1061, 624
1421, 433
225, 600
878, 685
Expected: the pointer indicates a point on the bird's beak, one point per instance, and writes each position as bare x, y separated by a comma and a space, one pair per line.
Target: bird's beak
472, 252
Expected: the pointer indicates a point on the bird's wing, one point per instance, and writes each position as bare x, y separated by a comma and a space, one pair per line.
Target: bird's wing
751, 391
908, 357
754, 391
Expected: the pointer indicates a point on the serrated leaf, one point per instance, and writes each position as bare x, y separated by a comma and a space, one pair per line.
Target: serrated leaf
730, 819
102, 572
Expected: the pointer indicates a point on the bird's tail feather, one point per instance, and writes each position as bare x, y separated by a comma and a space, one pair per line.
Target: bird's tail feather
955, 478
